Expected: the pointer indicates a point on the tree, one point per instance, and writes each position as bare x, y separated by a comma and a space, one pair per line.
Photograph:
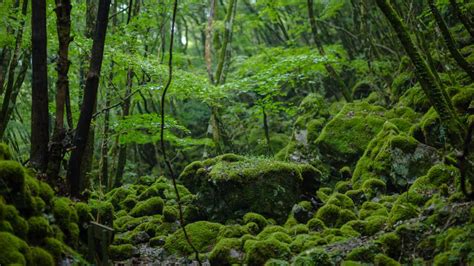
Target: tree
63, 25
434, 91
449, 40
90, 98
39, 103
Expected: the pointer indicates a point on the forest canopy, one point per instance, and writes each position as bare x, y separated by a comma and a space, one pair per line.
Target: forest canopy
256, 132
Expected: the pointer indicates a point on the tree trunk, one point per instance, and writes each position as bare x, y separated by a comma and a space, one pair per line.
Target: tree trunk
266, 130
463, 18
227, 39
208, 41
63, 24
329, 68
90, 99
9, 99
450, 42
39, 109
434, 91
122, 159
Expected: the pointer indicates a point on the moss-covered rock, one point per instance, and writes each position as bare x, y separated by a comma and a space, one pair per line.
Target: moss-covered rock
102, 211
259, 252
41, 257
203, 236
394, 158
122, 252
13, 250
5, 153
12, 178
226, 252
38, 228
344, 139
148, 207
315, 256
334, 216
384, 260
229, 186
170, 213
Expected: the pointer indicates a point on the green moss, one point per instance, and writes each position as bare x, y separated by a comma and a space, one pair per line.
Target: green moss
357, 195
121, 252
375, 224
38, 228
373, 187
344, 186
170, 213
338, 148
276, 262
334, 216
315, 256
41, 257
12, 178
259, 252
226, 252
349, 231
402, 211
232, 231
323, 193
298, 229
267, 231
102, 211
5, 226
372, 208
117, 195
415, 99
364, 253
280, 236
316, 225
5, 153
341, 200
255, 218
148, 207
251, 184
46, 192
384, 260
448, 258
202, 234
20, 225
129, 202
302, 211
13, 250
54, 247
64, 212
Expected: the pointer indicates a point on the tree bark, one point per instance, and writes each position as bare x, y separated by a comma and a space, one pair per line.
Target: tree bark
227, 40
39, 109
434, 91
63, 24
208, 41
329, 68
463, 18
90, 99
450, 42
9, 99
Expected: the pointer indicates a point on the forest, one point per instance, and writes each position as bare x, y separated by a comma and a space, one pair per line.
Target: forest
237, 132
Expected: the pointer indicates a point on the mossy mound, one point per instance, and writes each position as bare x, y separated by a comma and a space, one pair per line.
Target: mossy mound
343, 140
202, 234
229, 186
395, 158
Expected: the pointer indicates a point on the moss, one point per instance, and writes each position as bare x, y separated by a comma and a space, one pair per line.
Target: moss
316, 225
373, 187
351, 263
13, 250
402, 211
12, 178
170, 213
46, 192
267, 231
202, 234
102, 211
357, 195
117, 195
341, 200
343, 186
226, 252
302, 211
349, 231
280, 236
5, 226
394, 158
364, 253
276, 262
128, 203
259, 252
334, 216
38, 228
157, 241
249, 185
148, 207
448, 258
5, 153
323, 193
338, 148
54, 247
375, 224
298, 229
121, 252
20, 225
232, 231
415, 99
41, 257
64, 212
255, 218
383, 260
372, 208
315, 256
463, 99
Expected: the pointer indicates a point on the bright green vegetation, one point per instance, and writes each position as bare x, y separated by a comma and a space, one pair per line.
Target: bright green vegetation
270, 132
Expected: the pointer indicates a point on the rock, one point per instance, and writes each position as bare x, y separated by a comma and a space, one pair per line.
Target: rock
229, 186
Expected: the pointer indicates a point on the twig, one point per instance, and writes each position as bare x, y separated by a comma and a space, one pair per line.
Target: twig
162, 138
115, 105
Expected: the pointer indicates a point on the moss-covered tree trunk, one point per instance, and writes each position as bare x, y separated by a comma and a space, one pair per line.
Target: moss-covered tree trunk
434, 91
449, 40
463, 18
